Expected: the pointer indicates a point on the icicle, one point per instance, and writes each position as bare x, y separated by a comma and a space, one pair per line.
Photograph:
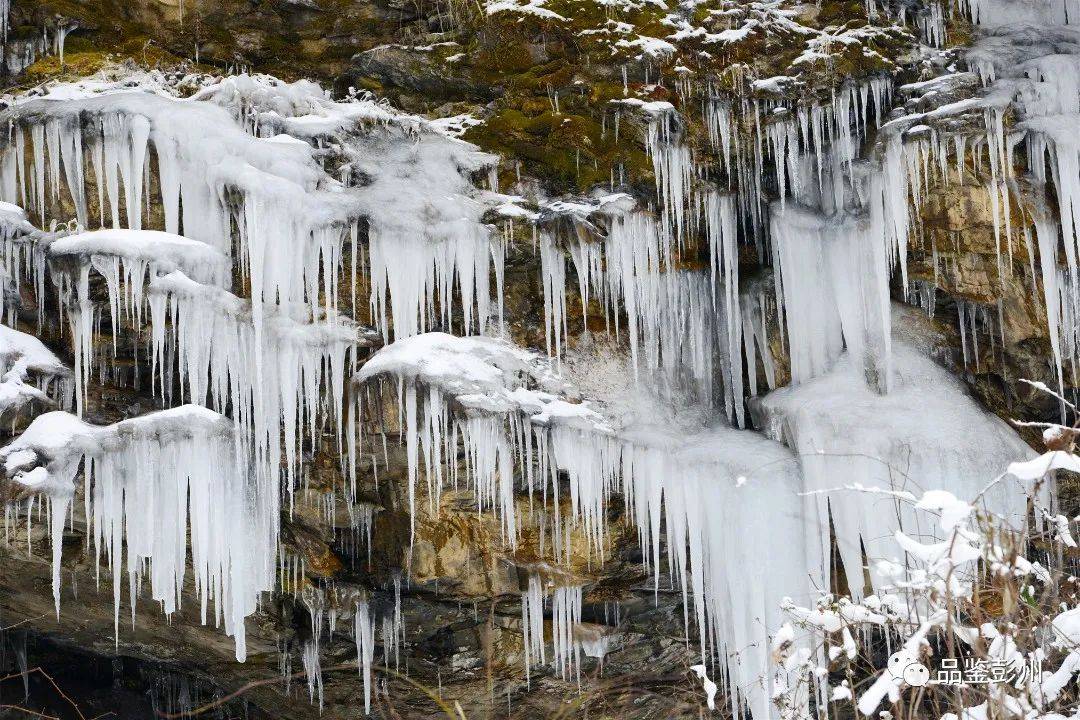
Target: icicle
365, 648
532, 624
565, 617
313, 671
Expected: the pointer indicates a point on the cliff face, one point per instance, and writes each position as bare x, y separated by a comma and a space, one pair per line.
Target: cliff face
713, 139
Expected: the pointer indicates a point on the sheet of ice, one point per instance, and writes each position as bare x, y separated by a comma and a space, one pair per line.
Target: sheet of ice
834, 278
730, 500
863, 453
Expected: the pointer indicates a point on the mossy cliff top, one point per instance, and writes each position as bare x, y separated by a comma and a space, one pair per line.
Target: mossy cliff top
539, 75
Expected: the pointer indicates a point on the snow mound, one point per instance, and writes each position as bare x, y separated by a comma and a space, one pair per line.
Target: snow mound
29, 372
482, 374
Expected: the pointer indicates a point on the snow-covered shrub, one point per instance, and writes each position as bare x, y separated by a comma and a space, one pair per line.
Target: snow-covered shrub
985, 624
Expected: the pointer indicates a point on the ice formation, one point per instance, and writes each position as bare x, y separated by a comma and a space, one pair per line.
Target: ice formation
271, 184
493, 381
364, 632
451, 386
277, 187
148, 483
722, 497
686, 326
240, 156
127, 260
280, 379
859, 464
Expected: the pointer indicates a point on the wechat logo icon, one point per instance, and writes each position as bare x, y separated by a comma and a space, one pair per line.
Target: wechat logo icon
904, 665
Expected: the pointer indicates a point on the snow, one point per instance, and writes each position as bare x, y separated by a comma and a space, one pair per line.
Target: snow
27, 354
1046, 463
530, 7
649, 46
651, 108
455, 125
162, 252
29, 372
487, 378
463, 366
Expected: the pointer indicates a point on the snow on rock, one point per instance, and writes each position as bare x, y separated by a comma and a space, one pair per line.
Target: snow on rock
30, 372
160, 252
477, 368
864, 455
13, 219
149, 482
647, 47
503, 391
530, 7
23, 248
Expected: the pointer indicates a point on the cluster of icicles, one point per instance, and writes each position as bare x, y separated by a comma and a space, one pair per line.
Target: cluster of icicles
253, 202
242, 171
838, 231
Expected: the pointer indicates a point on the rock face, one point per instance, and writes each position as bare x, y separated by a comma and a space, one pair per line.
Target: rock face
666, 113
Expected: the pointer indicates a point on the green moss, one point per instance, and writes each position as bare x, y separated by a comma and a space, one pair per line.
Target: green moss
80, 64
567, 151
